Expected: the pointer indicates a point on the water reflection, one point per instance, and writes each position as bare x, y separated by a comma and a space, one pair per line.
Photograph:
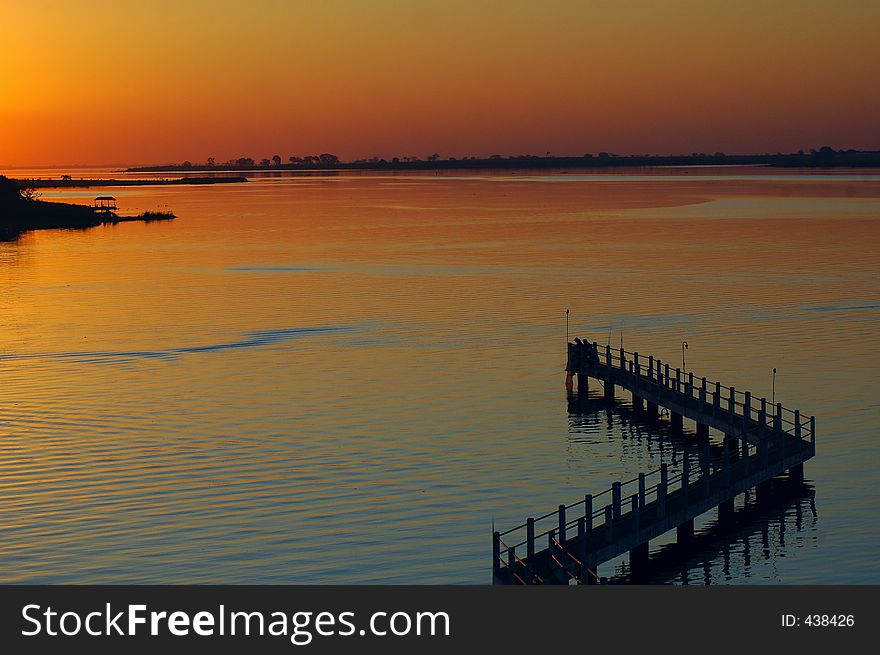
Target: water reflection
743, 548
243, 448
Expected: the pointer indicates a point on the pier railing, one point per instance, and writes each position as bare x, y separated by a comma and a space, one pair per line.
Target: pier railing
583, 516
761, 440
652, 374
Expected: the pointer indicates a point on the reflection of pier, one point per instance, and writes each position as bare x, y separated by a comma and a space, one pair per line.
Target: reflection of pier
791, 507
760, 441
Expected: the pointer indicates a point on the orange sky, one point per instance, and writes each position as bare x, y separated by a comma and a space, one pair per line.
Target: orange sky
105, 81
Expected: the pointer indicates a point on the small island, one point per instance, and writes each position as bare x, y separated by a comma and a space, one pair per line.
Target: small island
21, 211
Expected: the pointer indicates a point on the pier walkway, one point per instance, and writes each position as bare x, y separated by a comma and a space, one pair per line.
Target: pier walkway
760, 441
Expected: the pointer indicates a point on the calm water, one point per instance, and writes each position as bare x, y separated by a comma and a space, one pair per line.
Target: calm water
349, 378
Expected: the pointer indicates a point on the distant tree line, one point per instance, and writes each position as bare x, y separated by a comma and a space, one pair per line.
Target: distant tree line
823, 157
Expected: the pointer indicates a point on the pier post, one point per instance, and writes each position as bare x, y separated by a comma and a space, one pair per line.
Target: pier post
678, 379
650, 367
638, 561
797, 423
609, 522
662, 490
685, 474
582, 547
608, 356
583, 384
562, 524
781, 438
588, 512
747, 409
731, 403
732, 446
762, 414
666, 375
592, 576
716, 399
615, 499
641, 490
763, 489
725, 460
705, 465
622, 360
777, 418
702, 430
703, 391
676, 422
725, 510
685, 532
636, 368
530, 540
638, 403
651, 410
496, 552
690, 385
609, 390
796, 473
813, 432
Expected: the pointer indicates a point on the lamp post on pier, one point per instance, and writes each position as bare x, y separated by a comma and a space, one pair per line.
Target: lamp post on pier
684, 346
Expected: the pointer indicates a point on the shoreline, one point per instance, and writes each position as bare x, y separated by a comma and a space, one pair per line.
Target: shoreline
35, 215
820, 159
42, 183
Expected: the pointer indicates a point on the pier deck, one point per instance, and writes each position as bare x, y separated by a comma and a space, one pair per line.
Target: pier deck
760, 442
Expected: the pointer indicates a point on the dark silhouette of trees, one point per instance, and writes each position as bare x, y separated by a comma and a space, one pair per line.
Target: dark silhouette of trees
211, 161
276, 160
241, 162
10, 195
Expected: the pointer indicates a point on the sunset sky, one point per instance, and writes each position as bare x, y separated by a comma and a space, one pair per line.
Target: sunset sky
110, 82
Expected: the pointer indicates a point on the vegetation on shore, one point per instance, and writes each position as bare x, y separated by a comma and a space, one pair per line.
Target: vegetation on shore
22, 211
825, 157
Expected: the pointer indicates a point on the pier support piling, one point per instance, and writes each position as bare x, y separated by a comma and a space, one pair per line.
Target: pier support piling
732, 447
796, 473
638, 561
676, 422
685, 532
609, 391
702, 431
583, 384
638, 403
725, 510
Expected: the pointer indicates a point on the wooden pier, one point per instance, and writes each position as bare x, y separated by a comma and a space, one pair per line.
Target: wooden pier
761, 441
